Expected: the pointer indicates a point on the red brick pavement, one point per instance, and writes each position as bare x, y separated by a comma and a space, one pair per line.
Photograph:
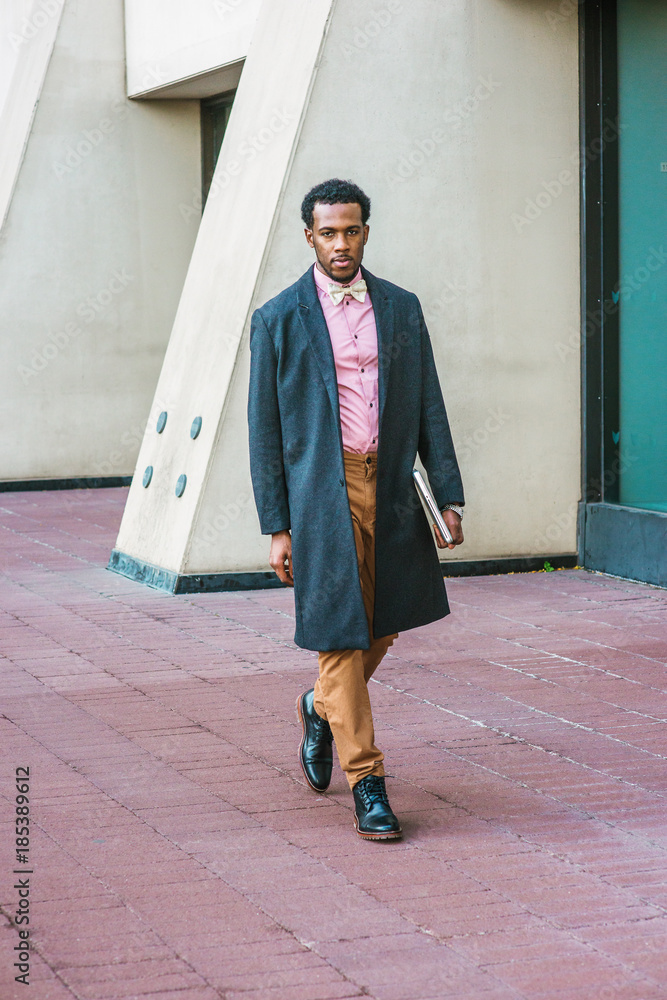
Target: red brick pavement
178, 854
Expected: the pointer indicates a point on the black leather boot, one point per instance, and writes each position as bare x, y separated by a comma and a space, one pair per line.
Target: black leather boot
373, 818
315, 752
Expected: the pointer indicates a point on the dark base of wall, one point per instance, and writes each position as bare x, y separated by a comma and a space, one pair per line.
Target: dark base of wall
189, 583
200, 583
626, 542
492, 567
88, 483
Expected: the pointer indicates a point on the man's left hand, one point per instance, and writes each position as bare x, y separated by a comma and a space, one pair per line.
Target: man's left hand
453, 522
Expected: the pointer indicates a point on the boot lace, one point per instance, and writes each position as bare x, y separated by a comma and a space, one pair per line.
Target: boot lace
322, 728
373, 789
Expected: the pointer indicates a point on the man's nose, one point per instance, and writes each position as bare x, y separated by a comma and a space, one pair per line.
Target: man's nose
342, 242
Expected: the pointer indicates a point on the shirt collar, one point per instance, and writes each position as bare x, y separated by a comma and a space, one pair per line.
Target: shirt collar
323, 280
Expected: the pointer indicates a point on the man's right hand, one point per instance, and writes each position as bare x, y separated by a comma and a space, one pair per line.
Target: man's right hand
280, 556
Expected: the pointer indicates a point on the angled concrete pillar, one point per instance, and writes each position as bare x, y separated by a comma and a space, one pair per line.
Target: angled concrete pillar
211, 526
453, 117
26, 48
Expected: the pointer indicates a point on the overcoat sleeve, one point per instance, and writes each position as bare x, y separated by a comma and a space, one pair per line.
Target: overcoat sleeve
266, 443
436, 448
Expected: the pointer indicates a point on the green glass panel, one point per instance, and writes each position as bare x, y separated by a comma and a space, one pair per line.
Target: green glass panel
642, 96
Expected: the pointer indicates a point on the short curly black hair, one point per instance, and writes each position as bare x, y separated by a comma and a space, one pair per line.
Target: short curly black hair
334, 192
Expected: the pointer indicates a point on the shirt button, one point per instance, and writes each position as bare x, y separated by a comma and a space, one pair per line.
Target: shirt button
362, 369
370, 404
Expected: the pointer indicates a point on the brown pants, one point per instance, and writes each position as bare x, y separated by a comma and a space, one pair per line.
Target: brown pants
341, 692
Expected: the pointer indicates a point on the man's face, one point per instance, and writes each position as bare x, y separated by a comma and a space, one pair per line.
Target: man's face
338, 238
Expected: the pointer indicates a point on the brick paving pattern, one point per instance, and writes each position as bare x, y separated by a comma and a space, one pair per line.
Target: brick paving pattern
179, 855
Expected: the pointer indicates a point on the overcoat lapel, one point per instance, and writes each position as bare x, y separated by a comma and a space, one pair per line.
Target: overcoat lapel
383, 308
315, 326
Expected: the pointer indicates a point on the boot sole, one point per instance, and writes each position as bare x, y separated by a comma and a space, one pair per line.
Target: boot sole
299, 715
394, 835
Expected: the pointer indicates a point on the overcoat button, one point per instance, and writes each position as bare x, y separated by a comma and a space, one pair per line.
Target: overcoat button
342, 482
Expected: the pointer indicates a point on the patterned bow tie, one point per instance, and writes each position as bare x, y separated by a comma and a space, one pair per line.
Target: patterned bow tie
357, 291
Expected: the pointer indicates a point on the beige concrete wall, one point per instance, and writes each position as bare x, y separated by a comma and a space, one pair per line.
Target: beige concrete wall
93, 256
457, 119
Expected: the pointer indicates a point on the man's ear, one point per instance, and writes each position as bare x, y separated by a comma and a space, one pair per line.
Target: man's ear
366, 229
309, 238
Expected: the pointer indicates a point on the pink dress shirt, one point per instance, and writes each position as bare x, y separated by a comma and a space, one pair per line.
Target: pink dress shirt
354, 341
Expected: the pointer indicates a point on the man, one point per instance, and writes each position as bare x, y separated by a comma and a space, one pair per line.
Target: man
343, 395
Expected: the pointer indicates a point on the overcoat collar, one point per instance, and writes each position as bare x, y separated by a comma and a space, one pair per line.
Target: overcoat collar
315, 326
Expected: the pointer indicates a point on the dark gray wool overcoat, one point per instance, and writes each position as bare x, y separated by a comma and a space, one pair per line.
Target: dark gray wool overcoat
296, 461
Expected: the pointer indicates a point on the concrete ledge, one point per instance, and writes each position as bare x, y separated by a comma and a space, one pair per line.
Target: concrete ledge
626, 542
197, 86
200, 583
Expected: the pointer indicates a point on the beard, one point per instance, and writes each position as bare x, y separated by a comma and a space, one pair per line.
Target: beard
327, 269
